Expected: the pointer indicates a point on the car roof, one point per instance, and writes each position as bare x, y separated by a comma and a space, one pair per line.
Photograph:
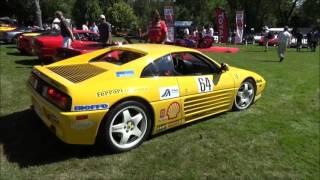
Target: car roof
154, 49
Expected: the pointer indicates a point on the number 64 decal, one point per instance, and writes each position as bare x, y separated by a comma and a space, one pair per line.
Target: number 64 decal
204, 84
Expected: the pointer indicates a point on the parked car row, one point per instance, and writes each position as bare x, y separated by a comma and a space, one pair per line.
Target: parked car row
45, 44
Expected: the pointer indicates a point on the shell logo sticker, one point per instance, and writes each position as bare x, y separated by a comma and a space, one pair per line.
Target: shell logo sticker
162, 114
173, 110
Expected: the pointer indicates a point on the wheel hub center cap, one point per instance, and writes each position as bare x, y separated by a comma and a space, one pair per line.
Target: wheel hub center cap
130, 125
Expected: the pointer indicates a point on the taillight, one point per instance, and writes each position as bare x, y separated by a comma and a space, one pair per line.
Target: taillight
50, 93
56, 97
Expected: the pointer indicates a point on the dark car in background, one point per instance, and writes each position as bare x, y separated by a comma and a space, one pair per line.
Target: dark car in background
11, 36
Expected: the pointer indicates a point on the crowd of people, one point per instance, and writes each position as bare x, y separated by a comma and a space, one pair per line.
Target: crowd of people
157, 32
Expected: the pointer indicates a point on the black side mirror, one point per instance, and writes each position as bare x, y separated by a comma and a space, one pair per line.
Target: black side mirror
224, 67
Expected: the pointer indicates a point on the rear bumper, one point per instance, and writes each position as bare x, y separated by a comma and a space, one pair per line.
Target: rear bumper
45, 53
64, 124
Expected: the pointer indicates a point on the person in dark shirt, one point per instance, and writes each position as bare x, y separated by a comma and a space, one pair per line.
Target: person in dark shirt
65, 30
299, 37
105, 31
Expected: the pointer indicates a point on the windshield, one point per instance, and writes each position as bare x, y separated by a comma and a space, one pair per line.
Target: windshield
118, 57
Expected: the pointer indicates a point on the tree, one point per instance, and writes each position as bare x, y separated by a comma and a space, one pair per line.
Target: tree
49, 7
84, 10
121, 15
38, 13
284, 10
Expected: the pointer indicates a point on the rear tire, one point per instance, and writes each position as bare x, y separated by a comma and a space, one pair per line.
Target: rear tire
245, 95
126, 126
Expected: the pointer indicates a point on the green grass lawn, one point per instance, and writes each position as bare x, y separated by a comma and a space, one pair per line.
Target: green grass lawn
278, 137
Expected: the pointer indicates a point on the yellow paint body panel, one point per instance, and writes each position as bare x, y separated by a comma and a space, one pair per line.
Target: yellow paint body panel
6, 28
107, 88
31, 34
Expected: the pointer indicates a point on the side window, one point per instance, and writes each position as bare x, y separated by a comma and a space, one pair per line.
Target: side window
160, 67
193, 64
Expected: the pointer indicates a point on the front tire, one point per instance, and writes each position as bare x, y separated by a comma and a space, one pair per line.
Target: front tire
126, 126
245, 95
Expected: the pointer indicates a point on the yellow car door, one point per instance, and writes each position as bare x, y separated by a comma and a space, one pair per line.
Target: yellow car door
204, 90
166, 97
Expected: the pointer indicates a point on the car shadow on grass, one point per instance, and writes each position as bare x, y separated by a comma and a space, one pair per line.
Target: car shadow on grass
28, 62
17, 54
25, 140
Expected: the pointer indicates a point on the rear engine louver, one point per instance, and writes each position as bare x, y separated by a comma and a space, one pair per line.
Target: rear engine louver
77, 73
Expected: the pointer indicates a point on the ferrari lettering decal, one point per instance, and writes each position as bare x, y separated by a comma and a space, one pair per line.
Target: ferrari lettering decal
204, 84
124, 73
109, 92
173, 110
169, 92
91, 107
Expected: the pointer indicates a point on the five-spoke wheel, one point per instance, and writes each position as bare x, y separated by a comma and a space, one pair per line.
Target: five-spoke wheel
126, 126
245, 95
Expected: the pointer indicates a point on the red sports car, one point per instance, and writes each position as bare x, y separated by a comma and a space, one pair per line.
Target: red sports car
272, 41
46, 45
24, 42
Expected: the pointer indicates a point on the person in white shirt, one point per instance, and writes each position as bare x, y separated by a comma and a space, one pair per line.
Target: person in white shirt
94, 28
204, 31
186, 32
85, 26
284, 38
210, 31
56, 24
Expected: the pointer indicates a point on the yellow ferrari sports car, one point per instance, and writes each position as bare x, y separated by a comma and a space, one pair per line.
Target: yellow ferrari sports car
119, 96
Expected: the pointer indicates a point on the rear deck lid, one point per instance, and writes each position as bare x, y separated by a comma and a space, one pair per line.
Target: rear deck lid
78, 72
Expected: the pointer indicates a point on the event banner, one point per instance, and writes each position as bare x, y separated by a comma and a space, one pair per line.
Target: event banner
239, 24
221, 25
169, 18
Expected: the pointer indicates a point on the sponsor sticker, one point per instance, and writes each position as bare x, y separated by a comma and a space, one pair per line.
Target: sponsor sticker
91, 107
162, 114
109, 92
161, 127
173, 110
125, 73
169, 92
204, 84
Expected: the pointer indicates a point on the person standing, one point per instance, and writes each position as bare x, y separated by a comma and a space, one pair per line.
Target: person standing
94, 28
55, 24
105, 31
284, 38
210, 31
266, 38
313, 40
157, 30
186, 32
299, 37
85, 26
65, 30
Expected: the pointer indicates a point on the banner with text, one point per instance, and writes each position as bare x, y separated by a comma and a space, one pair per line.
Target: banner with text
169, 18
221, 24
239, 24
